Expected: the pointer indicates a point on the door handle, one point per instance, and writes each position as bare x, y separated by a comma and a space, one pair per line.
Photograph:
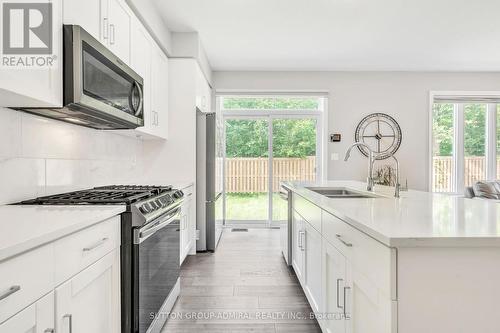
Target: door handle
338, 293
96, 245
70, 322
9, 292
345, 301
299, 239
304, 241
339, 237
105, 28
112, 34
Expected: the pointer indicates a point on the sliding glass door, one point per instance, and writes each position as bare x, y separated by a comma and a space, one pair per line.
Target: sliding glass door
247, 171
294, 157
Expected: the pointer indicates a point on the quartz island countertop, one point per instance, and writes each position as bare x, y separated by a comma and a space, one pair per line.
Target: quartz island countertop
416, 219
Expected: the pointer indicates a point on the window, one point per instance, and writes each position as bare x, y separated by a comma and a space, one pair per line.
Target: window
442, 147
498, 141
465, 142
272, 103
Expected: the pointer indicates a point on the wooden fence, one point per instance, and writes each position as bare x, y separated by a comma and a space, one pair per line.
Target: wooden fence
250, 175
475, 169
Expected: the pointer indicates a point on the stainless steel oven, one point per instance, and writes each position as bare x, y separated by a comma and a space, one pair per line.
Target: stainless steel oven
156, 256
100, 90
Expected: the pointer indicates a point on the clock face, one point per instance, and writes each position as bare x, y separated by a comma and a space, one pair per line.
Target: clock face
381, 133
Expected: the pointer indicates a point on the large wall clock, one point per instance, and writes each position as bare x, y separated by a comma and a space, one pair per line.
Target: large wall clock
381, 133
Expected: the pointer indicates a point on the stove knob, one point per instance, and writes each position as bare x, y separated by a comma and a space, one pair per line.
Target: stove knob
178, 194
144, 209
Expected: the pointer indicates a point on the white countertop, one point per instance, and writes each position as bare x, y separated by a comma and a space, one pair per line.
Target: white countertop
416, 219
25, 227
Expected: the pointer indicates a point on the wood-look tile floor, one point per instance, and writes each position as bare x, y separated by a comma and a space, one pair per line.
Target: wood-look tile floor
244, 287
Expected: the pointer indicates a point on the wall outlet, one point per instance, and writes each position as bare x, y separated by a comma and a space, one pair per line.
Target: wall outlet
197, 234
335, 156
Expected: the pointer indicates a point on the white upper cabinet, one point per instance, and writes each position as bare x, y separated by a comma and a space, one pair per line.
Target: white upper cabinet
107, 20
22, 86
159, 86
119, 29
140, 61
90, 15
203, 92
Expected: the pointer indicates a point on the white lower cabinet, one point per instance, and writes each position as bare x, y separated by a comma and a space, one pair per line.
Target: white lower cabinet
36, 318
188, 224
89, 302
297, 246
312, 266
333, 285
71, 285
348, 277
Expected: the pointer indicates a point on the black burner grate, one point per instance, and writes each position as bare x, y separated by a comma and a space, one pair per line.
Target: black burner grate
115, 194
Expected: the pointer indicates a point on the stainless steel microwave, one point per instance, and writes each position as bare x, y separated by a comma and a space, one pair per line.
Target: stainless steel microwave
100, 90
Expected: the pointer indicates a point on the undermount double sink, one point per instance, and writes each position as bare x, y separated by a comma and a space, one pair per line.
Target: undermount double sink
341, 192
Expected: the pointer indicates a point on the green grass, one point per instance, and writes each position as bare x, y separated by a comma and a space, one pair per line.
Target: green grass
254, 206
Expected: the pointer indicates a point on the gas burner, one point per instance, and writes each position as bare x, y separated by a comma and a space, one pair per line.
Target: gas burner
105, 195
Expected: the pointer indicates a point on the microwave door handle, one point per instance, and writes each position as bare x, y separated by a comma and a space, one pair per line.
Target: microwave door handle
138, 110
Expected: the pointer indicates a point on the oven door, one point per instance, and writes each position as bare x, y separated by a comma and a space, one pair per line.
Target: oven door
156, 261
96, 79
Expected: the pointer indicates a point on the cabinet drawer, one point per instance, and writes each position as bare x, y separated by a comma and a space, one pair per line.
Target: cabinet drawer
367, 256
78, 251
309, 211
24, 279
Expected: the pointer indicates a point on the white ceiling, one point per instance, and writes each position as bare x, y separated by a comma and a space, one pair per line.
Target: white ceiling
414, 35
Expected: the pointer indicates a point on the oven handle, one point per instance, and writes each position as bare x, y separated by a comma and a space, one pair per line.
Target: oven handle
143, 234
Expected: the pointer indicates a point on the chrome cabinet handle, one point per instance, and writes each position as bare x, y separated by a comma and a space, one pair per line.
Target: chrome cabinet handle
338, 293
339, 237
70, 322
9, 292
304, 241
49, 330
299, 239
112, 34
105, 28
345, 301
96, 245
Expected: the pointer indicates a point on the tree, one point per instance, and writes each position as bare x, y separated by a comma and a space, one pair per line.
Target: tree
292, 138
474, 129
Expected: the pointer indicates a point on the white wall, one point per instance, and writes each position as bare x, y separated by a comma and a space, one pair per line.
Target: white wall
148, 13
353, 95
40, 156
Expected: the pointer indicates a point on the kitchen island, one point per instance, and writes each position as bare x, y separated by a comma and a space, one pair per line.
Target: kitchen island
369, 262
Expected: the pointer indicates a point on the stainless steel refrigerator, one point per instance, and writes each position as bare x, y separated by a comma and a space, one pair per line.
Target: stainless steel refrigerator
209, 159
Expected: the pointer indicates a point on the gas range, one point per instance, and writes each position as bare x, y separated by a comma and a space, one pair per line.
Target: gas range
150, 247
145, 202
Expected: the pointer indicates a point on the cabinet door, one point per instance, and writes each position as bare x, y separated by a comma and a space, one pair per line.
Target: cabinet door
140, 61
119, 16
184, 230
160, 92
298, 249
368, 308
89, 15
312, 265
333, 282
36, 318
90, 301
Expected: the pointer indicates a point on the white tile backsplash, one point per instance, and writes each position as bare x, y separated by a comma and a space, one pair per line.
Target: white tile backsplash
43, 156
21, 178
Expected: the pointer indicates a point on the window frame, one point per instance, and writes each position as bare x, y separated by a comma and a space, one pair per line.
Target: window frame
458, 155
